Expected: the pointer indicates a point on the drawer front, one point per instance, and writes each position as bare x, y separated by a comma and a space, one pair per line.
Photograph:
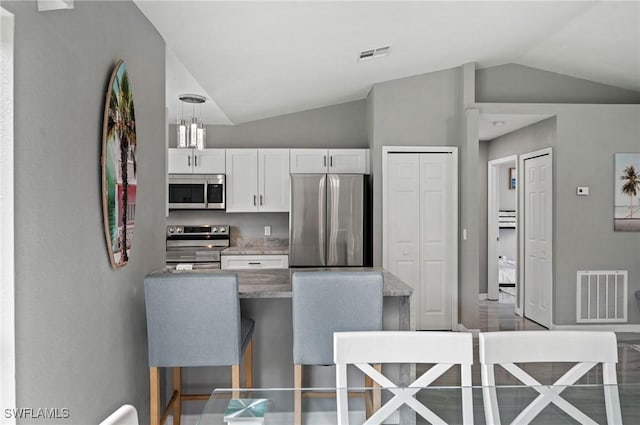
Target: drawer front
240, 262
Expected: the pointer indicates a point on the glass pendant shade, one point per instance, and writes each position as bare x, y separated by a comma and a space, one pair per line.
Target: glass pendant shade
200, 136
182, 134
192, 133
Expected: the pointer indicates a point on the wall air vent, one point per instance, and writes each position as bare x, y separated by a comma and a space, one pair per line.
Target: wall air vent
374, 53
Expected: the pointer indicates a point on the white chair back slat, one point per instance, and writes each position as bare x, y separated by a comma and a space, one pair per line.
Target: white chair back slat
442, 349
125, 415
543, 346
586, 349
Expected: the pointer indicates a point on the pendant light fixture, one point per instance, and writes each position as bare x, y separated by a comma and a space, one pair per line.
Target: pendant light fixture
191, 134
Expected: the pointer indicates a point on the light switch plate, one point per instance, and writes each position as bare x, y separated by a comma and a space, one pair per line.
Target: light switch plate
582, 190
267, 230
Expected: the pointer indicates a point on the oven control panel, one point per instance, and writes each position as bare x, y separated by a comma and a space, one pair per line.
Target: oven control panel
201, 230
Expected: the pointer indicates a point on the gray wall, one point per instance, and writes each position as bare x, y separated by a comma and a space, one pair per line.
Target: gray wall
337, 126
513, 83
482, 219
80, 325
584, 140
426, 110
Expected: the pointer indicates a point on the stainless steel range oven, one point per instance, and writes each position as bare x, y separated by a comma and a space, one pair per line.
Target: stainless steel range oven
198, 245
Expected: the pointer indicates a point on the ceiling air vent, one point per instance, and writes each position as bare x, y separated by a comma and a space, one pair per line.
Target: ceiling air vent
374, 53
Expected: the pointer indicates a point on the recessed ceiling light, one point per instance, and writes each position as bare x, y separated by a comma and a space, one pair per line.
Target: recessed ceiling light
498, 123
374, 53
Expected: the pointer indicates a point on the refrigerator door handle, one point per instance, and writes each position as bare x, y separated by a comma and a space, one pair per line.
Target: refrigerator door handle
322, 219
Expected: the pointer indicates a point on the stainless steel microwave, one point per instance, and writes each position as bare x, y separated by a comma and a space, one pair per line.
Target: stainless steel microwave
197, 191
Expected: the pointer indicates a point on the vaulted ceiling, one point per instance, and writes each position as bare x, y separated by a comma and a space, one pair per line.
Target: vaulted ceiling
260, 59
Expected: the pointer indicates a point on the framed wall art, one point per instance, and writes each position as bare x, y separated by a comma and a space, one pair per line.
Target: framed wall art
513, 178
119, 167
626, 192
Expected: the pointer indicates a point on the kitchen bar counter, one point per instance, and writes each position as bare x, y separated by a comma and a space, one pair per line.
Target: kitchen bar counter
266, 298
276, 283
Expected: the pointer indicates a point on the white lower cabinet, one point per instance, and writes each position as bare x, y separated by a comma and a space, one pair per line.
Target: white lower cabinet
239, 262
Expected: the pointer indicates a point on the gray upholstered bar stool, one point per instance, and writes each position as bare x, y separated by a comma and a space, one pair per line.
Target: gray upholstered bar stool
327, 302
194, 320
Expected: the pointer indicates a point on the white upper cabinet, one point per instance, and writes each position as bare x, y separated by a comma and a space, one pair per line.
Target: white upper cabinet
343, 161
309, 160
257, 180
196, 161
274, 189
349, 161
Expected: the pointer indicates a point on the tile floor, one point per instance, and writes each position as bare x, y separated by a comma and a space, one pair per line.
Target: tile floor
500, 316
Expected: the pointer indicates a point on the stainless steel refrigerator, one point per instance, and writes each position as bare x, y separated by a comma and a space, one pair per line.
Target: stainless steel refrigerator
328, 220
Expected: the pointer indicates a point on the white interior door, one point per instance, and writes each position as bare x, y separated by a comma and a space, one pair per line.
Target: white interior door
420, 233
436, 228
403, 220
538, 228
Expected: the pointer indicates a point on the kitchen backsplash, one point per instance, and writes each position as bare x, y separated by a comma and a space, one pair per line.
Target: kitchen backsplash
244, 226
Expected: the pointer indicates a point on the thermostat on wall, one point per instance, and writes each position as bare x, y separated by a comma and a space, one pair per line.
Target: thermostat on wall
582, 191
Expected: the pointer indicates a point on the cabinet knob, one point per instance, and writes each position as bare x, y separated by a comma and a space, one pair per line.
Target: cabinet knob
260, 199
324, 161
254, 200
195, 160
189, 161
331, 161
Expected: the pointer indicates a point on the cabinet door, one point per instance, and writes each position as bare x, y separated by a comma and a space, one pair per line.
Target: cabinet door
349, 161
273, 180
209, 161
242, 180
309, 160
180, 161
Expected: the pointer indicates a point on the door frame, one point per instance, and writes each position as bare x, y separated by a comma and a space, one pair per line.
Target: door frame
453, 150
493, 206
520, 290
7, 243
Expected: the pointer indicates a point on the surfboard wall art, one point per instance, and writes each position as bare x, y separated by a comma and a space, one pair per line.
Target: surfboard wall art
119, 167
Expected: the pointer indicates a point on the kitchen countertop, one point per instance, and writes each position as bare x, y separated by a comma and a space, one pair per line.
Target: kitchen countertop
255, 250
261, 246
276, 283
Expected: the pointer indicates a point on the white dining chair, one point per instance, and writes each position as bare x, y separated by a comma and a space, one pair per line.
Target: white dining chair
585, 348
125, 415
442, 349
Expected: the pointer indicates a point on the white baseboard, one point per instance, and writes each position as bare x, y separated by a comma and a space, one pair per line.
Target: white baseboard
483, 297
598, 327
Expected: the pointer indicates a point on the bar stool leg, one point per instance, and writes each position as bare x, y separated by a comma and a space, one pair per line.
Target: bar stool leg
177, 389
154, 396
297, 403
373, 398
248, 365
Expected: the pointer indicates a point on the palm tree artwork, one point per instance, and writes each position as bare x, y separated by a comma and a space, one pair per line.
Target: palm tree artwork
631, 185
119, 166
627, 210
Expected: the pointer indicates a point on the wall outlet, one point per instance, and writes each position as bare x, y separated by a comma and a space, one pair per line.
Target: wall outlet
582, 191
267, 230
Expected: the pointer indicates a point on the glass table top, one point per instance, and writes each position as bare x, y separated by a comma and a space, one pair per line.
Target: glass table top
319, 405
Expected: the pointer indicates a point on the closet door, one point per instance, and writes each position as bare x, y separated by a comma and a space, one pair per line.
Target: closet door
421, 221
403, 209
436, 241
